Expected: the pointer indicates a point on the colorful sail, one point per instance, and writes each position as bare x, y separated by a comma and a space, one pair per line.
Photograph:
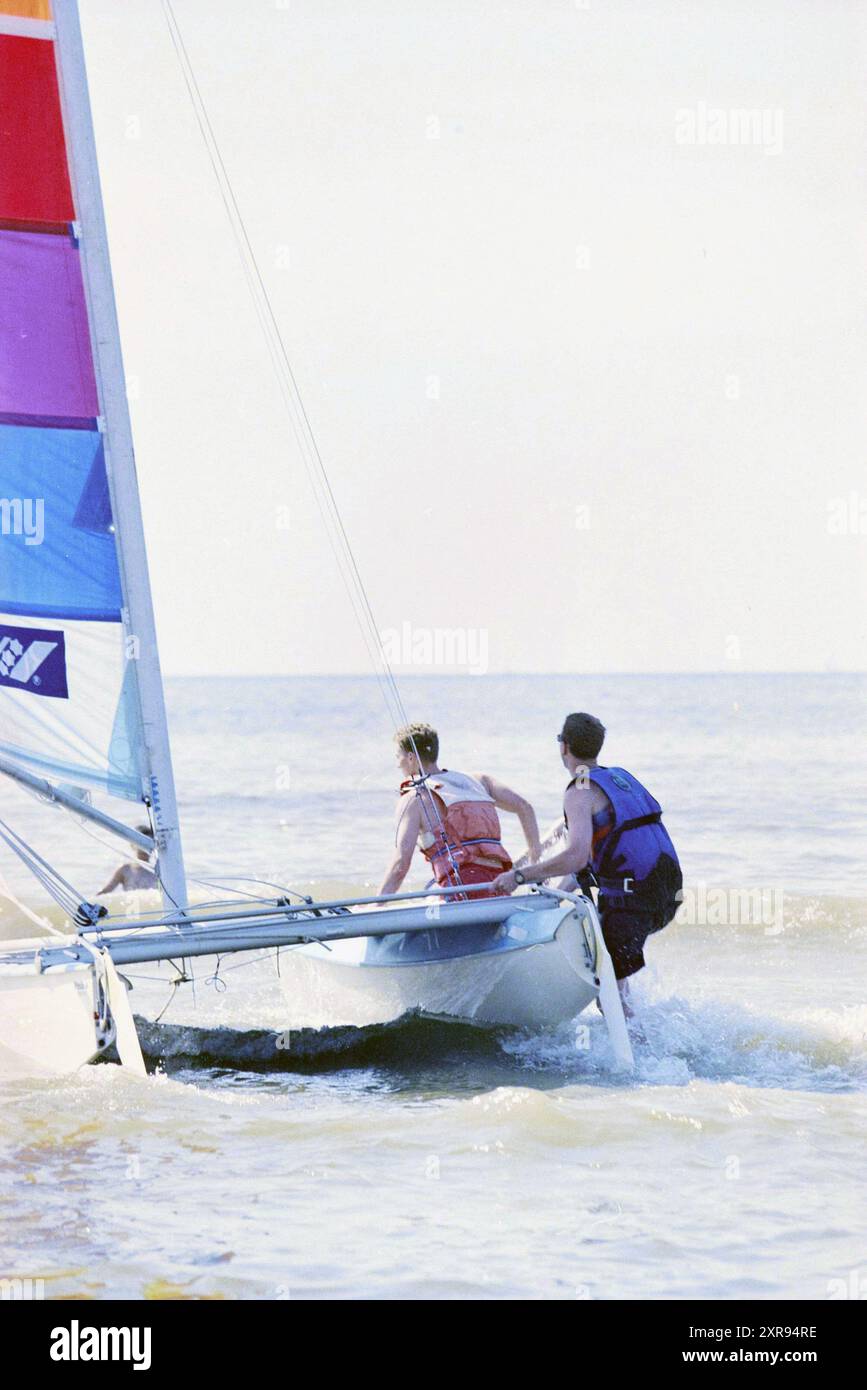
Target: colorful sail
67, 702
80, 689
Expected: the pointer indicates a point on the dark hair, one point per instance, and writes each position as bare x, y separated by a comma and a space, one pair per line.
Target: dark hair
145, 830
583, 735
421, 738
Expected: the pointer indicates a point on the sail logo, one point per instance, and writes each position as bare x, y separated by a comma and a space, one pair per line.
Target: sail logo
33, 659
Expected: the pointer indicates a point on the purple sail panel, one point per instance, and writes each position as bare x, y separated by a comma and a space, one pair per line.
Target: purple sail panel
46, 370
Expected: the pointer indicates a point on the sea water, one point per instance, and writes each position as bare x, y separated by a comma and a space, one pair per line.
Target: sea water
422, 1158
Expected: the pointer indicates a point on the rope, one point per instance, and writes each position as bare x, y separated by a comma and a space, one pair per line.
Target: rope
216, 979
173, 990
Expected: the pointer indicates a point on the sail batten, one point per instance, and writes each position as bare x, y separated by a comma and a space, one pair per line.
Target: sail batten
80, 687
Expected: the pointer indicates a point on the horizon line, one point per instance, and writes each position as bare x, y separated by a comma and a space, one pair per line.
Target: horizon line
496, 675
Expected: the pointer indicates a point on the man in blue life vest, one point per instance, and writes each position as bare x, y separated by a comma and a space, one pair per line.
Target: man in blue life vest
614, 830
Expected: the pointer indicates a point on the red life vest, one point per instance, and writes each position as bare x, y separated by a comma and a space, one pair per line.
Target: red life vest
460, 828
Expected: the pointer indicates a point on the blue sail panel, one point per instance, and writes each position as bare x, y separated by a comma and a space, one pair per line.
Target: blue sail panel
57, 548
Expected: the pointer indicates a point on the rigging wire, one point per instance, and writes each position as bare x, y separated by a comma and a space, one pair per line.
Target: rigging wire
34, 917
273, 953
62, 892
248, 878
226, 887
286, 379
76, 819
303, 430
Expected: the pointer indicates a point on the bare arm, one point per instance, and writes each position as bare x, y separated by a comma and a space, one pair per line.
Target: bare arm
574, 857
507, 800
409, 824
114, 882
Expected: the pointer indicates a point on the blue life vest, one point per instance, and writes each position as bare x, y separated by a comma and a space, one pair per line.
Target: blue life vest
636, 858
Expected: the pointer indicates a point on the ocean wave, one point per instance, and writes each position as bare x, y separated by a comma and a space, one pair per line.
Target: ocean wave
402, 1043
675, 1041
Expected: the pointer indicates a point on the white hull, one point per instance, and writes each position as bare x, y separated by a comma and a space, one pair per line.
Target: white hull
532, 989
47, 1022
55, 1020
529, 961
537, 970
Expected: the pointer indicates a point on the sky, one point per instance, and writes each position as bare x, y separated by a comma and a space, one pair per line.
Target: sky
583, 351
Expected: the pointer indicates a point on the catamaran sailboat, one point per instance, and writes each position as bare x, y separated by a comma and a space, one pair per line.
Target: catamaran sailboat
82, 714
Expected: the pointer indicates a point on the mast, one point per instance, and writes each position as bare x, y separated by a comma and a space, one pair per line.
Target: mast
158, 788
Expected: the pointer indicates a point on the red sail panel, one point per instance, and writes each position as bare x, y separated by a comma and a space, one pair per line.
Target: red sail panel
34, 179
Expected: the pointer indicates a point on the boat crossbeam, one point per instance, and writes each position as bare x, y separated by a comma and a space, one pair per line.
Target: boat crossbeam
249, 930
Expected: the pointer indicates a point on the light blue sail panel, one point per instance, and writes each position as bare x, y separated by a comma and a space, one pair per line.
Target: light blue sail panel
68, 702
57, 548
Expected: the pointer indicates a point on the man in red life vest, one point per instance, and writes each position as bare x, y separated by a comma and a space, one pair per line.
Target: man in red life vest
451, 817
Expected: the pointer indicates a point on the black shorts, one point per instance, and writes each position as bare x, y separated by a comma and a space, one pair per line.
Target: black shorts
629, 918
625, 930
